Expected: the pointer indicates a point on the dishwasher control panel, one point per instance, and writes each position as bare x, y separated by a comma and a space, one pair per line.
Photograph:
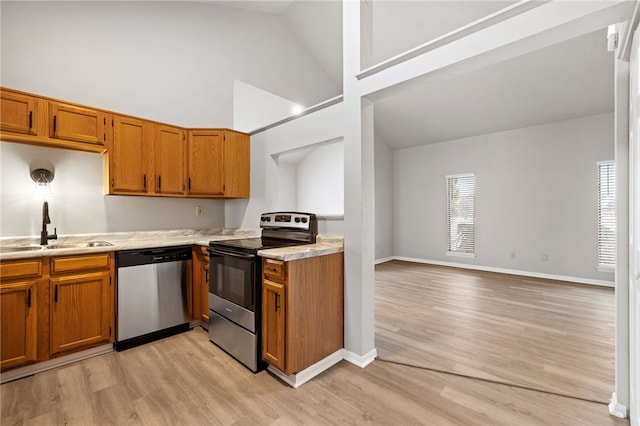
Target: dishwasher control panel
126, 258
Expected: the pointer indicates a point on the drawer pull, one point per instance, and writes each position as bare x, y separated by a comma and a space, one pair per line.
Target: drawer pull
270, 269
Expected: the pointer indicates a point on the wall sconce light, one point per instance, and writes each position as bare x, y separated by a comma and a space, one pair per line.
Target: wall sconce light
42, 177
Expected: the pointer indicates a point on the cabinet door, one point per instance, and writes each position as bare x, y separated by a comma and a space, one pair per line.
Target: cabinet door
237, 164
18, 113
74, 123
80, 311
205, 162
204, 289
200, 284
168, 160
19, 324
129, 157
273, 323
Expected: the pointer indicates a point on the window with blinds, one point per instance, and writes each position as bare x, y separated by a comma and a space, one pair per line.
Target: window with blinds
606, 215
461, 213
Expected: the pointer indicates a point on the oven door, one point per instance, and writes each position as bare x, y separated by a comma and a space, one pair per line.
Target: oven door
233, 277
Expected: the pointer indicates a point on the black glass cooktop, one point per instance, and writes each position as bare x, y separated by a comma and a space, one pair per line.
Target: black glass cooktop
254, 244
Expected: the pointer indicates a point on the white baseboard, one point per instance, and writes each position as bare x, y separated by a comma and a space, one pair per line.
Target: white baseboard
510, 271
298, 379
383, 260
29, 370
617, 409
361, 360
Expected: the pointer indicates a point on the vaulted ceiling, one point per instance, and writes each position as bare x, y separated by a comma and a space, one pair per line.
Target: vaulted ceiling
567, 80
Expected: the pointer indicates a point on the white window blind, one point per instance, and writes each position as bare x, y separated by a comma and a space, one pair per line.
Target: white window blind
460, 213
606, 214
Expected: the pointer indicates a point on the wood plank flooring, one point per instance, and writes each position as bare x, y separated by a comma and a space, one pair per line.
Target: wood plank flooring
186, 380
546, 335
533, 333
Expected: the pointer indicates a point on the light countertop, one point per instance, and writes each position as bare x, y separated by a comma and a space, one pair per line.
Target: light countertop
326, 244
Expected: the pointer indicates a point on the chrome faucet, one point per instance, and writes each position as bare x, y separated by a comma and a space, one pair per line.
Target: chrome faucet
44, 235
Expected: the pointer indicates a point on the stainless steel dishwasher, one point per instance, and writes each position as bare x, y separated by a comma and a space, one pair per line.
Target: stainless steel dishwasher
152, 294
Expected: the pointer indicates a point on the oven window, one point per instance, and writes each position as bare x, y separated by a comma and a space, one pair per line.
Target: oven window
233, 279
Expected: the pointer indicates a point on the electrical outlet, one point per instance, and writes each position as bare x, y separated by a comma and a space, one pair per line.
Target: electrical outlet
512, 255
544, 257
199, 210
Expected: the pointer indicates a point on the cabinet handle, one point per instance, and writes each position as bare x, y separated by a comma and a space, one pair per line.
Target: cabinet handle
159, 183
277, 301
55, 296
30, 119
270, 269
28, 298
189, 184
55, 121
144, 181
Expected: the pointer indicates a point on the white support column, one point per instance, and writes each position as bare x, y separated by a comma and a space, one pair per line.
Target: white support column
620, 397
359, 204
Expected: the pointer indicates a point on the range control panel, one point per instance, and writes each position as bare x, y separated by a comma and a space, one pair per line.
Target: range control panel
287, 220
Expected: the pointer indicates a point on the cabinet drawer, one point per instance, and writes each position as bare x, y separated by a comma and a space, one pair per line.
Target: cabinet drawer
273, 268
21, 268
79, 263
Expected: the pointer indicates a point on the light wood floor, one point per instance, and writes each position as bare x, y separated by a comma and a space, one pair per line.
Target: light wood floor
186, 380
466, 322
547, 335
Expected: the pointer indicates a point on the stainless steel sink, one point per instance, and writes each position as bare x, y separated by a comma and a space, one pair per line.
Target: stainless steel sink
79, 245
33, 247
14, 249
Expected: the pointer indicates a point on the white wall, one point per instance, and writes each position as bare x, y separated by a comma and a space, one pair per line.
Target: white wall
384, 199
536, 193
78, 206
173, 62
319, 126
320, 177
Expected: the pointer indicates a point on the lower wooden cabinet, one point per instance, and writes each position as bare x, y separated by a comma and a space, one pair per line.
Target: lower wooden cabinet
200, 296
273, 342
54, 306
80, 311
302, 311
18, 313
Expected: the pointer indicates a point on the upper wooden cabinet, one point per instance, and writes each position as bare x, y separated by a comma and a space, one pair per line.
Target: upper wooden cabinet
206, 166
169, 157
18, 113
142, 157
32, 119
218, 164
128, 160
76, 123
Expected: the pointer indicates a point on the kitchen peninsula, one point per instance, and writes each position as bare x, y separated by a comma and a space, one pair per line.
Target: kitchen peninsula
31, 286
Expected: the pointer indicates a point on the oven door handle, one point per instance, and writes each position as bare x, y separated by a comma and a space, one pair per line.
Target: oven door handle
226, 253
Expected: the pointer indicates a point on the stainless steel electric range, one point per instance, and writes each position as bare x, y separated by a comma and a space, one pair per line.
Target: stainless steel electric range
235, 285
